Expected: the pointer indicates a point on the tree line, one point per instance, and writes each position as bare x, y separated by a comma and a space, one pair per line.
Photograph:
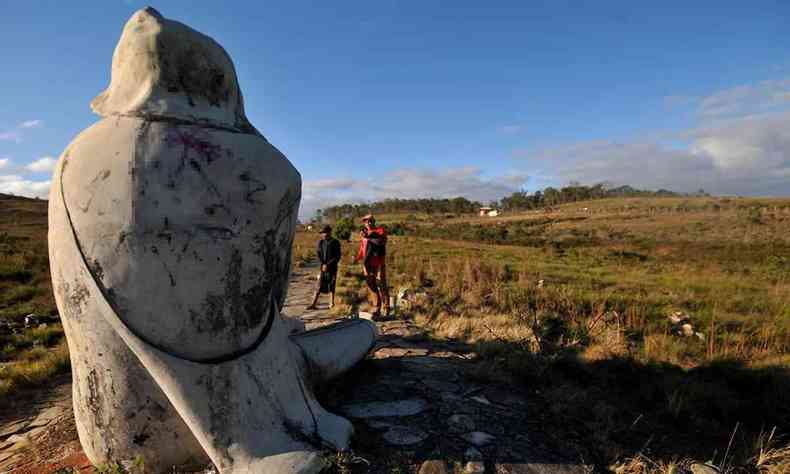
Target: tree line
518, 201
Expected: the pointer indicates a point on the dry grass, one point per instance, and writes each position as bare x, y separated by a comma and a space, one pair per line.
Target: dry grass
766, 456
613, 377
29, 356
576, 304
33, 367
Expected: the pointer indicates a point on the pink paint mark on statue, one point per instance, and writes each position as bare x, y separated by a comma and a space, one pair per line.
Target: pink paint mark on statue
196, 140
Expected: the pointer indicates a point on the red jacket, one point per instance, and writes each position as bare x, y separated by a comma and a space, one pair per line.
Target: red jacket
377, 235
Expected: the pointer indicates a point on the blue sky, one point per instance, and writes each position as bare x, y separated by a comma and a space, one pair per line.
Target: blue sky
403, 99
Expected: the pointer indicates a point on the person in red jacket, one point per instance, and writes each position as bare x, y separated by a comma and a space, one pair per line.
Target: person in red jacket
372, 253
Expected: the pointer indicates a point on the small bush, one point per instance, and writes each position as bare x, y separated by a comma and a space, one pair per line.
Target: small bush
344, 227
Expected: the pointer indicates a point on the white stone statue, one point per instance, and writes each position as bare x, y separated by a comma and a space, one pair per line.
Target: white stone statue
171, 223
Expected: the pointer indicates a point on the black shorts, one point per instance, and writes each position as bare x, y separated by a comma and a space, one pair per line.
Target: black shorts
327, 282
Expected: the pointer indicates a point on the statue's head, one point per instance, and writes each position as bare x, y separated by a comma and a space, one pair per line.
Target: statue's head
164, 68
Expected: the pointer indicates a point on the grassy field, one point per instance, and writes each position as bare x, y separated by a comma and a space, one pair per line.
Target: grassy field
585, 306
574, 306
30, 352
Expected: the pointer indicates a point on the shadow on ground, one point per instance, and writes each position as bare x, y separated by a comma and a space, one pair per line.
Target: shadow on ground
514, 411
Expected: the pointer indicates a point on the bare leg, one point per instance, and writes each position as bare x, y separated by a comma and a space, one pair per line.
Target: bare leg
332, 299
384, 293
373, 292
315, 300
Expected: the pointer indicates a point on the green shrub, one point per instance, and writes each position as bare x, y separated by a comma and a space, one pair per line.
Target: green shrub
343, 228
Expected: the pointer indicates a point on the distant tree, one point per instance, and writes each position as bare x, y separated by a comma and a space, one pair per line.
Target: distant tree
344, 227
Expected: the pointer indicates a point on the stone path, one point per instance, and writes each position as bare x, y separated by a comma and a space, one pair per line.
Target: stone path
37, 432
416, 405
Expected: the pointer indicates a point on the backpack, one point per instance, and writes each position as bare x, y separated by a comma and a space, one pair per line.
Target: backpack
377, 246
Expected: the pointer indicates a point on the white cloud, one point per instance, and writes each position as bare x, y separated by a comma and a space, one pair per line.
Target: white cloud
31, 124
45, 164
468, 182
641, 164
19, 186
747, 99
748, 156
15, 134
741, 146
4, 162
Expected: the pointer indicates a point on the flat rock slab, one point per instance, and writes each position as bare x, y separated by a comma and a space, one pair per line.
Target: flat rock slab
404, 435
386, 352
441, 385
47, 416
13, 428
406, 407
460, 423
479, 438
540, 468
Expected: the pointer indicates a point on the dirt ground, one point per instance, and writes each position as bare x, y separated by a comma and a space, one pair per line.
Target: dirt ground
415, 403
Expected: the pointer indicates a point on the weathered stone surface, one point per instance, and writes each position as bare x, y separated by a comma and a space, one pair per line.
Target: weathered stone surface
480, 399
479, 438
441, 385
698, 468
385, 352
170, 229
404, 435
46, 417
406, 407
379, 424
460, 423
13, 428
540, 468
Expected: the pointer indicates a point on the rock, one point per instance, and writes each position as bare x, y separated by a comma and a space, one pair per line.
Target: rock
47, 416
474, 467
405, 293
433, 466
378, 424
460, 423
404, 435
5, 456
505, 397
17, 442
440, 385
386, 352
473, 454
367, 316
698, 468
449, 397
677, 317
479, 438
480, 399
541, 468
406, 407
13, 428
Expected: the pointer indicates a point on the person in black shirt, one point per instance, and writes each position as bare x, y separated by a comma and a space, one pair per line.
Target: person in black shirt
329, 254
